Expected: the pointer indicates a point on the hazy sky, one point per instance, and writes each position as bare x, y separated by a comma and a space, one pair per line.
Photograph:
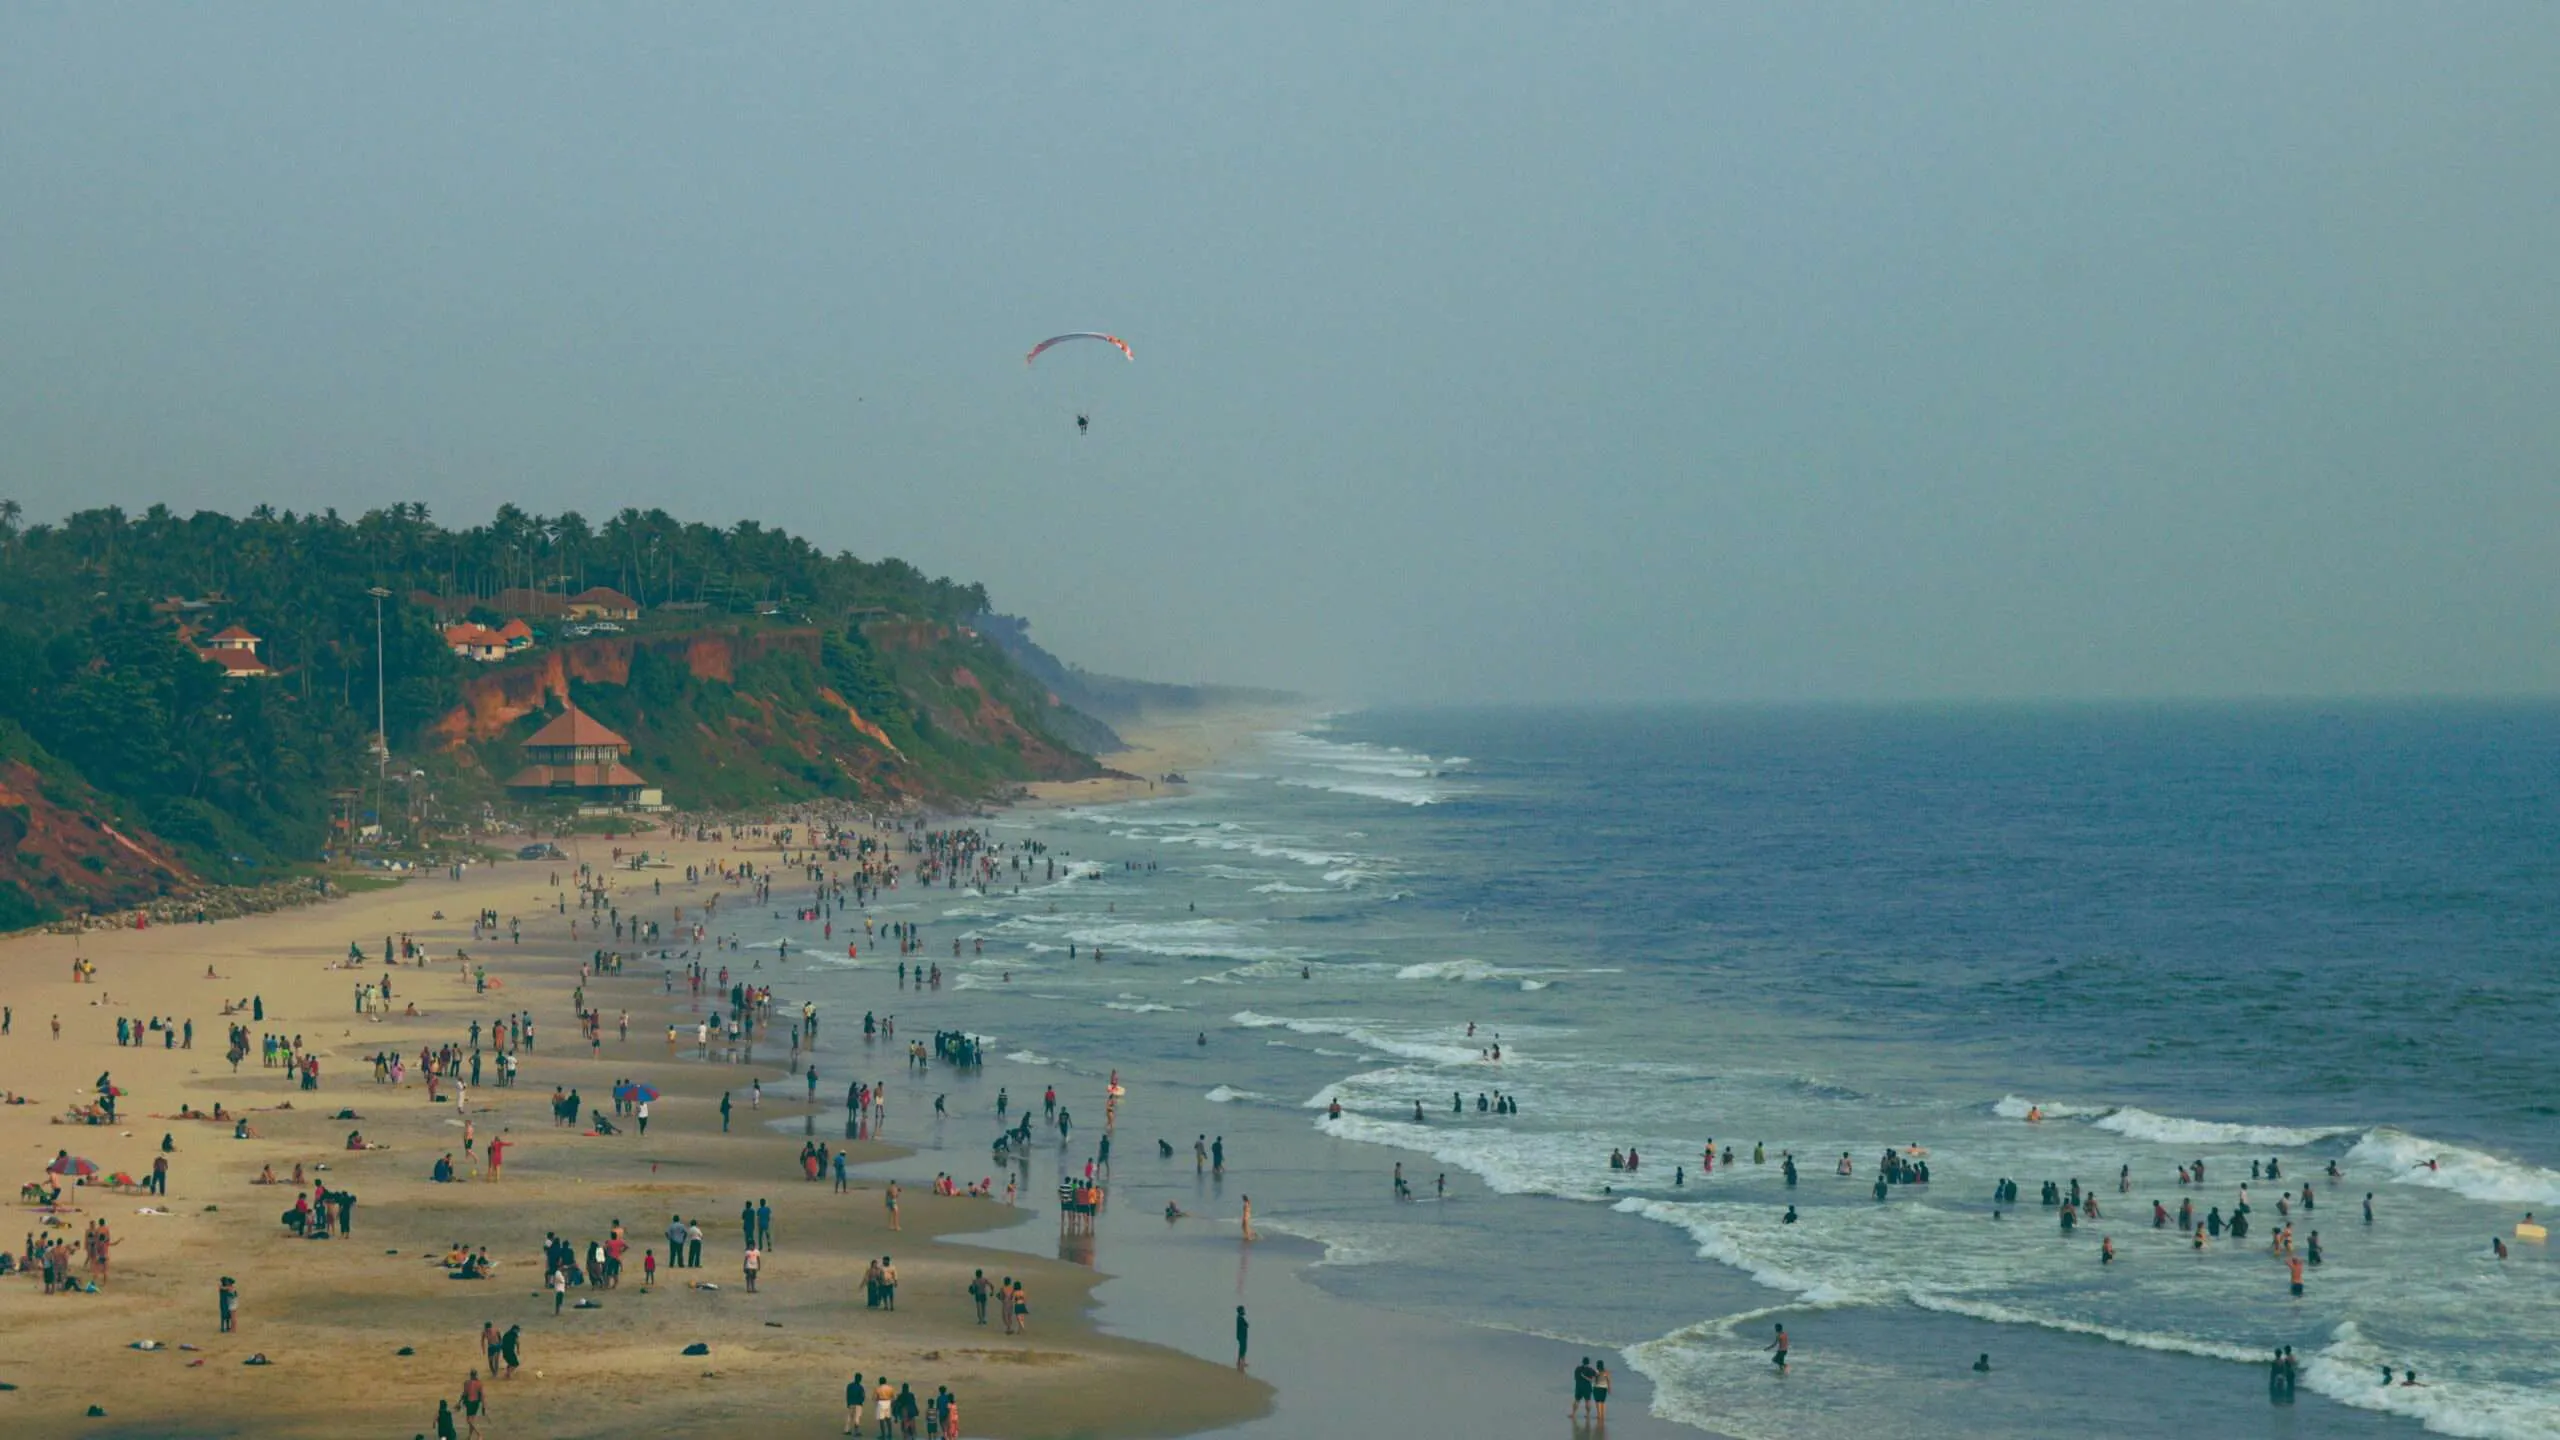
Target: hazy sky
1485, 350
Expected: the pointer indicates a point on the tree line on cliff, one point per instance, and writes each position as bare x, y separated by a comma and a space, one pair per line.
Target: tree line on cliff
108, 706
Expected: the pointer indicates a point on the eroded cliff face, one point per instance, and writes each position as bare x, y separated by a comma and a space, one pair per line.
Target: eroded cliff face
516, 688
65, 859
994, 722
874, 732
939, 667
748, 715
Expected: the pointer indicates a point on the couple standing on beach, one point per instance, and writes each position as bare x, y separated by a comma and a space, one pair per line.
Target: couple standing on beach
1590, 1390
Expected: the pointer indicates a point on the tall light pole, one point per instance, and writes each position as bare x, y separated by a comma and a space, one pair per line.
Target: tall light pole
381, 708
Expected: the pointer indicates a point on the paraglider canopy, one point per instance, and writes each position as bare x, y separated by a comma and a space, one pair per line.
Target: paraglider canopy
1113, 340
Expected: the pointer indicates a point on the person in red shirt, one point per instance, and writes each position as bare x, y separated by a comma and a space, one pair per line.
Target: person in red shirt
497, 1154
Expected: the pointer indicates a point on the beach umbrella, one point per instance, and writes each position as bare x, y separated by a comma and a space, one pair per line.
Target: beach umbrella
635, 1092
72, 1165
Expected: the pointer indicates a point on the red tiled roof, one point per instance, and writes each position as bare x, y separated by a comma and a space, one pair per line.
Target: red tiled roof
472, 635
514, 628
575, 727
606, 596
584, 777
236, 662
234, 633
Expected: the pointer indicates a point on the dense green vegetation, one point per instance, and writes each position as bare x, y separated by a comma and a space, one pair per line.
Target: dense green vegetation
101, 687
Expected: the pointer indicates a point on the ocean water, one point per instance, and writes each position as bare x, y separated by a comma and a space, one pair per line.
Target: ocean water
2313, 935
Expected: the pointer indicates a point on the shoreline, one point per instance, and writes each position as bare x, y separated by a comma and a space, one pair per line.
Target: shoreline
1174, 744
331, 1316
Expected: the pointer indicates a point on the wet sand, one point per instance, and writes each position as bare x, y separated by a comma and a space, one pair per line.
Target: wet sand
332, 1316
1339, 1366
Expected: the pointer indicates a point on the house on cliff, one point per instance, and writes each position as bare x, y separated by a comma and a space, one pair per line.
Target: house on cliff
475, 642
575, 757
603, 603
235, 649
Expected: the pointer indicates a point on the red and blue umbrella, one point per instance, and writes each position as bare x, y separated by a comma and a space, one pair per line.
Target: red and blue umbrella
635, 1092
71, 1165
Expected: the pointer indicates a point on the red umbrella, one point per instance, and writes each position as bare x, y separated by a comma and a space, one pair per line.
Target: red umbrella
71, 1165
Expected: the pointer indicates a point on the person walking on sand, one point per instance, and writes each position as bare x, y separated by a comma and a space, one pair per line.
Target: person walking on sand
1600, 1393
228, 1299
754, 1263
890, 1198
475, 1399
724, 1112
1244, 1329
1582, 1374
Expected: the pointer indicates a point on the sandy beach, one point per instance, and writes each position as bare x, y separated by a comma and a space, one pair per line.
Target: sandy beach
364, 1334
1170, 745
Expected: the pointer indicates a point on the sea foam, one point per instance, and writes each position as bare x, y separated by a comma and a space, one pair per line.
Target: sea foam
2403, 1158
